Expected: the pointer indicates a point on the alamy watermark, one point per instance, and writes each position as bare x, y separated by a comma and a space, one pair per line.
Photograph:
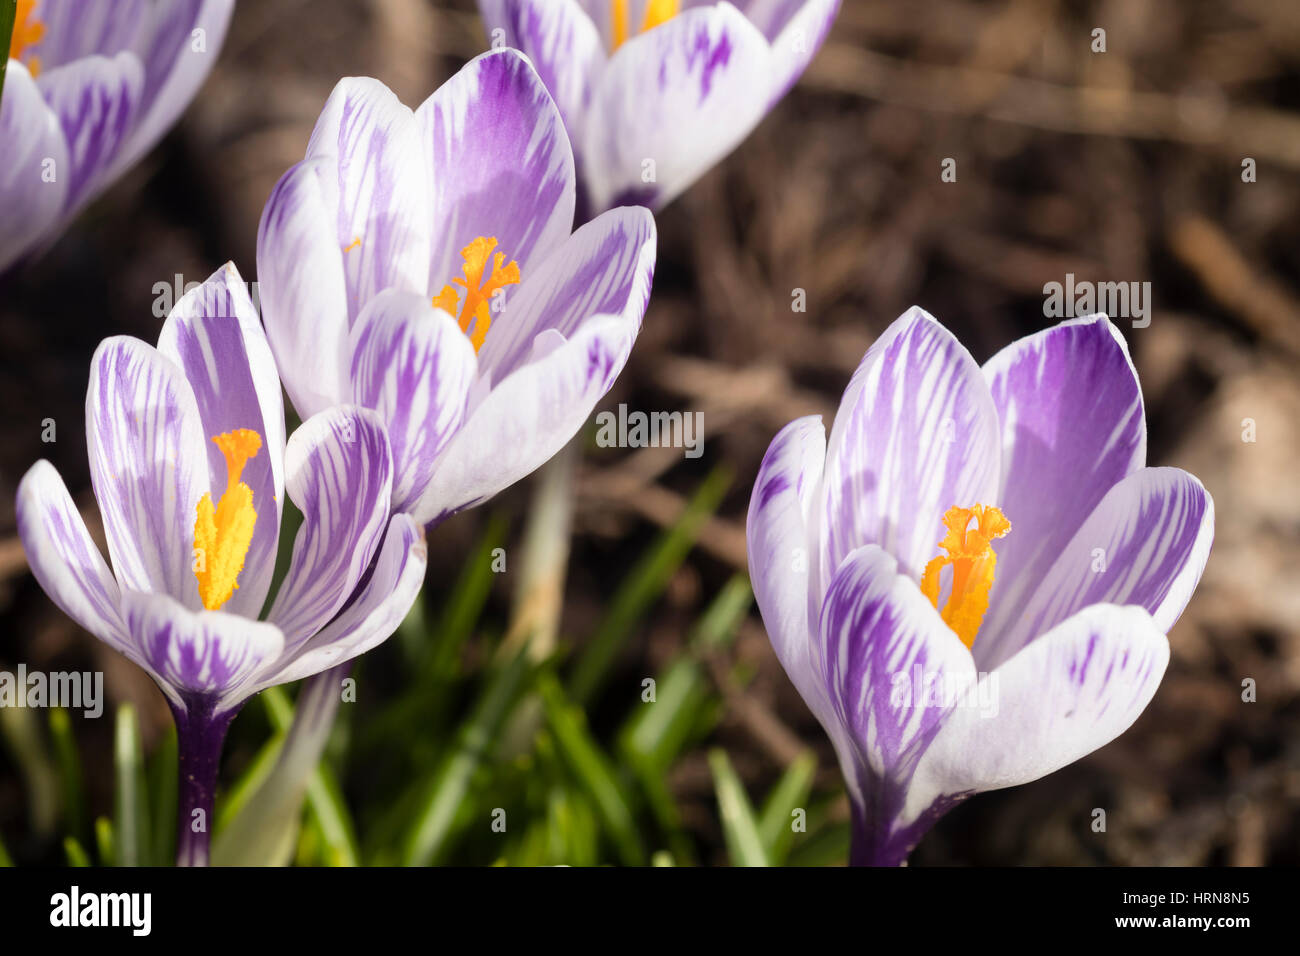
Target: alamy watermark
923, 689
651, 430
71, 690
1119, 300
216, 298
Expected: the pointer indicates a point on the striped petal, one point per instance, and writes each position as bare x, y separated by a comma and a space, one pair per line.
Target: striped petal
340, 475
528, 417
378, 609
604, 269
183, 43
1146, 543
214, 336
148, 464
302, 290
1069, 692
916, 434
199, 653
97, 100
414, 366
671, 103
503, 162
1072, 426
796, 29
63, 557
376, 186
35, 173
781, 555
75, 29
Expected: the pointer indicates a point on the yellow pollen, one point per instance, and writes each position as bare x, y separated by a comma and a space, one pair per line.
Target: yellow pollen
656, 12
476, 310
970, 552
356, 242
28, 31
222, 535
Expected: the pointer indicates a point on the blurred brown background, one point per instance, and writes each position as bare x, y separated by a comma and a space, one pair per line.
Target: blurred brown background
1115, 166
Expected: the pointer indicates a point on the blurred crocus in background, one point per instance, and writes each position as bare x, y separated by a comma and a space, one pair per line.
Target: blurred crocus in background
190, 464
88, 89
655, 92
971, 582
423, 264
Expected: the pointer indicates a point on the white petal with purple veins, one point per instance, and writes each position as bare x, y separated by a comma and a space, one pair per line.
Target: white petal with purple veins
1071, 691
302, 290
63, 557
680, 96
527, 418
215, 337
605, 268
199, 652
339, 474
916, 434
378, 609
503, 164
375, 183
804, 26
96, 99
148, 463
1146, 543
1072, 425
36, 172
413, 365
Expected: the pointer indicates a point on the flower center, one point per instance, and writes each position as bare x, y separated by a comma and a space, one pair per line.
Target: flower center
656, 12
27, 32
222, 535
970, 552
476, 311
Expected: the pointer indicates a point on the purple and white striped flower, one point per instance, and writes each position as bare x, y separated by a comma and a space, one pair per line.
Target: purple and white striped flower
654, 92
1049, 645
423, 264
190, 465
89, 89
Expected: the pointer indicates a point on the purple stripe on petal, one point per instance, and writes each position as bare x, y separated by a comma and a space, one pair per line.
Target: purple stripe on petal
209, 653
414, 366
149, 465
34, 147
75, 29
215, 337
63, 557
339, 474
503, 161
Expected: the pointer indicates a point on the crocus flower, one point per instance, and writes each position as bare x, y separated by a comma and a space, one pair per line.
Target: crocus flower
88, 90
654, 92
970, 584
189, 464
422, 264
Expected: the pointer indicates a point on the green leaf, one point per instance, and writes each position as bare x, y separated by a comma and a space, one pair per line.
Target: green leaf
75, 852
67, 759
104, 841
130, 802
444, 790
592, 769
5, 859
739, 826
775, 823
8, 13
829, 846
162, 798
642, 587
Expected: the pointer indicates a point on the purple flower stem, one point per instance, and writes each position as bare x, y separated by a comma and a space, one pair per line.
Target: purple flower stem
199, 734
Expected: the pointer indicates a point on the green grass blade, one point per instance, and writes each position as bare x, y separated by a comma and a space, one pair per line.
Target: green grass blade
776, 821
162, 798
739, 826
592, 769
642, 587
67, 759
130, 803
829, 846
104, 841
448, 784
75, 852
8, 13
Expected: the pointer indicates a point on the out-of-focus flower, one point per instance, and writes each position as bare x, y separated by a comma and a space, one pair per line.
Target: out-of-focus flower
189, 464
1070, 561
654, 92
89, 88
423, 265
